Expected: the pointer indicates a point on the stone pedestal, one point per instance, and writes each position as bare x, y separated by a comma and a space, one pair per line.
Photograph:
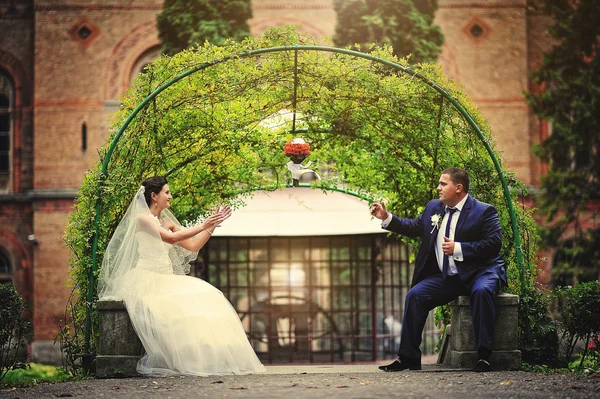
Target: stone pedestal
458, 348
119, 348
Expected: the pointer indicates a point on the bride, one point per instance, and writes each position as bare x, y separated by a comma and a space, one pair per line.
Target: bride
186, 325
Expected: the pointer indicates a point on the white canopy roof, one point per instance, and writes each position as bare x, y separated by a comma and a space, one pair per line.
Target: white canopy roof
300, 212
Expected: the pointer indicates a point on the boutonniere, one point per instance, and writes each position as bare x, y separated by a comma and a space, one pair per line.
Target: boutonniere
436, 221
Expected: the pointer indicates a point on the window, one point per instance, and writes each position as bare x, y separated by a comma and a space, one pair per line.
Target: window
6, 94
83, 137
5, 267
144, 60
315, 299
84, 32
476, 30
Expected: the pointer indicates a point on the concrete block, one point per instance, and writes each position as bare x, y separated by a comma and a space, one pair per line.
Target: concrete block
119, 348
46, 352
459, 349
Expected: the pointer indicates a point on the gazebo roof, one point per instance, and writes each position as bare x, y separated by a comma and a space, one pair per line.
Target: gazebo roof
300, 211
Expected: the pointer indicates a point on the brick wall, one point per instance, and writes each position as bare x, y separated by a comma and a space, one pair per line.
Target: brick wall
16, 214
16, 61
15, 226
71, 79
315, 17
538, 42
492, 67
51, 259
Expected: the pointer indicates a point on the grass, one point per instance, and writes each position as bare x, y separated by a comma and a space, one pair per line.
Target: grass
34, 374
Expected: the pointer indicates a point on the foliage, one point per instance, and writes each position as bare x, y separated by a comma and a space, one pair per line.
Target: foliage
442, 318
539, 337
406, 25
70, 338
537, 330
33, 374
579, 317
570, 100
184, 23
15, 330
594, 353
537, 368
379, 130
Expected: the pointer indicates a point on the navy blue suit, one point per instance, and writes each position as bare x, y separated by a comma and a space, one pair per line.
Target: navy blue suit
481, 273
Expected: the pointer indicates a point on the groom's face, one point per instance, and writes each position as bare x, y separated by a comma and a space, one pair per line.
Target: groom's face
448, 191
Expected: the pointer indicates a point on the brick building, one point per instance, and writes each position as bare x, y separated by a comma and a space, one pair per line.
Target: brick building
63, 64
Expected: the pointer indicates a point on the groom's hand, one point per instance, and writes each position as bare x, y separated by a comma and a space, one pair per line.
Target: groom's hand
448, 246
379, 211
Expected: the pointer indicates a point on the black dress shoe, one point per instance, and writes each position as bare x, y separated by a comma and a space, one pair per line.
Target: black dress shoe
482, 366
399, 365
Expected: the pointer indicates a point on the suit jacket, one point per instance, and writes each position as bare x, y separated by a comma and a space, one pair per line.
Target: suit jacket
477, 230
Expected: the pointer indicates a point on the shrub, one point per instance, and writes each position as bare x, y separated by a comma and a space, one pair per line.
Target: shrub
70, 339
579, 319
539, 339
594, 352
14, 330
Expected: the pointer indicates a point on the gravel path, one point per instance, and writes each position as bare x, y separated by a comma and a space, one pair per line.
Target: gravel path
330, 381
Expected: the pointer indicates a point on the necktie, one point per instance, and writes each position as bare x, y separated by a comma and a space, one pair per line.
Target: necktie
446, 261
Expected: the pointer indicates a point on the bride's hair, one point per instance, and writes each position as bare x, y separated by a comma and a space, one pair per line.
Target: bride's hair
154, 185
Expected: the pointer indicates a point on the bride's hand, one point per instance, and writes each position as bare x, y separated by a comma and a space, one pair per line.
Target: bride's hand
224, 210
216, 219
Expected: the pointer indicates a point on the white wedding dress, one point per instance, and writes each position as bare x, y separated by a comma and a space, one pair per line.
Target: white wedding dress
187, 326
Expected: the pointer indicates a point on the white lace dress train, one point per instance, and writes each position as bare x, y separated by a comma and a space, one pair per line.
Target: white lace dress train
186, 325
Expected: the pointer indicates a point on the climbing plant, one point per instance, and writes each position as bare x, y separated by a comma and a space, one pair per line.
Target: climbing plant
218, 135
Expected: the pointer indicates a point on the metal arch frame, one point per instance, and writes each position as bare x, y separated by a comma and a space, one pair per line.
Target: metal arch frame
246, 54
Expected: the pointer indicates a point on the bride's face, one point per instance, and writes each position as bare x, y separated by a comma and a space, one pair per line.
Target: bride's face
163, 199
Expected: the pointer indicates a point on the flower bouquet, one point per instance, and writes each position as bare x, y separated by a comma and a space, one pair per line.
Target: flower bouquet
297, 150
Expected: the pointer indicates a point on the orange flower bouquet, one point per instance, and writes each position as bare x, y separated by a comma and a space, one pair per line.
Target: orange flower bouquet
297, 149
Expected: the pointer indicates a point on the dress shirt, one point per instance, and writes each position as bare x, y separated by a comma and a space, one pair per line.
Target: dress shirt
457, 255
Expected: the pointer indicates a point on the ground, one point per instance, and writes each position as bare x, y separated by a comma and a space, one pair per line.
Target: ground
330, 381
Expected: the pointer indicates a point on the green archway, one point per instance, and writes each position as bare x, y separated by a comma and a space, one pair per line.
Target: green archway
207, 119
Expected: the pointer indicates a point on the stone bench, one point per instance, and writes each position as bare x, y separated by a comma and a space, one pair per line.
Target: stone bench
119, 348
458, 345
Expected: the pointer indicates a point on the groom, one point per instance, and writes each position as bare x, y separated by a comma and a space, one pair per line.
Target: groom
459, 255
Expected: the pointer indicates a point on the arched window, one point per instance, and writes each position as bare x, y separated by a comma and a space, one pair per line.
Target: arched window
5, 267
6, 96
145, 59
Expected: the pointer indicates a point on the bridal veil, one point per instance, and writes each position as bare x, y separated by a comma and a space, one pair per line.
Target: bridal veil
137, 235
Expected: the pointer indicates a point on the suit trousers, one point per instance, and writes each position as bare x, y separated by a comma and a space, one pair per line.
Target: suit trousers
434, 291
